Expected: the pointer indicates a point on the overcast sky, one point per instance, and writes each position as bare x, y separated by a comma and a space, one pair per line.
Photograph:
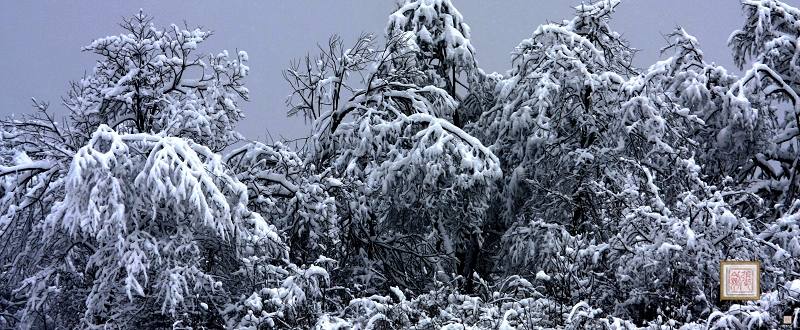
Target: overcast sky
40, 41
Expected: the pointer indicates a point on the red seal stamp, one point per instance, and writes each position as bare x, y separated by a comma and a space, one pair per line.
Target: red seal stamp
739, 280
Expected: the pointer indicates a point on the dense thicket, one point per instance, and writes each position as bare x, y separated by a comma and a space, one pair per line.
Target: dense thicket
575, 190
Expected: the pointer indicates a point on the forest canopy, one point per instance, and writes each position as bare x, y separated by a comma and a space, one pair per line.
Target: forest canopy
575, 190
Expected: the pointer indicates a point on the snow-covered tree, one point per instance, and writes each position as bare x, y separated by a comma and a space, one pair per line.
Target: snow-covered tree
35, 152
392, 136
144, 224
701, 90
553, 112
149, 80
322, 83
155, 231
149, 225
435, 33
416, 169
769, 90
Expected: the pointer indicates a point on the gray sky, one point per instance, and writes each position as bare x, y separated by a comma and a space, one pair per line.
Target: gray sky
41, 40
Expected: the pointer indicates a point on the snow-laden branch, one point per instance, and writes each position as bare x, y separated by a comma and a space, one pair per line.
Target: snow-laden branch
38, 165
